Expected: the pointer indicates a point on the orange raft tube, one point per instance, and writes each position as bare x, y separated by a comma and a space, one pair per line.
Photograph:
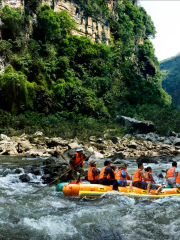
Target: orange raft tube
74, 189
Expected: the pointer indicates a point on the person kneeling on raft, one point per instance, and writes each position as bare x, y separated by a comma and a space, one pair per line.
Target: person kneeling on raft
121, 177
107, 176
93, 173
137, 179
172, 174
149, 175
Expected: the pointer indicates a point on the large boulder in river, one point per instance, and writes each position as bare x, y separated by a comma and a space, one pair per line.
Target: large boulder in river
54, 142
24, 178
24, 146
135, 125
117, 155
146, 159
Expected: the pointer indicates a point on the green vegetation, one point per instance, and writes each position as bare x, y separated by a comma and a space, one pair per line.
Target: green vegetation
171, 77
55, 80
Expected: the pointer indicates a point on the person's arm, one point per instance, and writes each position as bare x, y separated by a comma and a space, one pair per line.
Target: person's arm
123, 174
151, 177
128, 176
142, 175
95, 172
86, 158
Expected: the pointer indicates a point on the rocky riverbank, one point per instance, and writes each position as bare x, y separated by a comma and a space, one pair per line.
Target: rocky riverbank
129, 146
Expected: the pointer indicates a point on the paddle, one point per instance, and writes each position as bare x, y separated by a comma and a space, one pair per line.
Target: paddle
62, 175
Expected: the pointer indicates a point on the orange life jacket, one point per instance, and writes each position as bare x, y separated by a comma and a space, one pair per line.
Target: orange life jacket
78, 159
137, 177
178, 178
147, 176
170, 172
91, 176
118, 175
102, 175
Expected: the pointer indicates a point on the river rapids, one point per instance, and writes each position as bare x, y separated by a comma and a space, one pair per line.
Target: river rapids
48, 215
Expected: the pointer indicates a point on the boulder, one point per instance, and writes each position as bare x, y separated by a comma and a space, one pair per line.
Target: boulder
98, 155
146, 159
38, 133
160, 174
24, 146
114, 139
73, 145
176, 142
173, 134
24, 178
47, 178
4, 137
100, 140
54, 142
132, 144
168, 141
18, 171
135, 125
92, 138
117, 155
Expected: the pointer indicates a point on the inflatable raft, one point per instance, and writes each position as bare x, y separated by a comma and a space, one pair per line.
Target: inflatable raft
97, 190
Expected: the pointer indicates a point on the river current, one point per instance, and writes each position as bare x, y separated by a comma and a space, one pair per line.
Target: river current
48, 215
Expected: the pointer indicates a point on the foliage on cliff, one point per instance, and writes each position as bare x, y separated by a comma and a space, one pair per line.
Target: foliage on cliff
51, 71
171, 77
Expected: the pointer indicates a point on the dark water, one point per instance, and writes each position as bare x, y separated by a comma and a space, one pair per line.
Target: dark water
48, 215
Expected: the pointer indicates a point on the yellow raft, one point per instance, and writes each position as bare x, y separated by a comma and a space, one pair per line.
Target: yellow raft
97, 190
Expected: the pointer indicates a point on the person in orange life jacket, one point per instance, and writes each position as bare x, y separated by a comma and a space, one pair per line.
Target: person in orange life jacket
77, 157
137, 179
149, 175
106, 176
127, 175
172, 174
114, 169
93, 173
121, 177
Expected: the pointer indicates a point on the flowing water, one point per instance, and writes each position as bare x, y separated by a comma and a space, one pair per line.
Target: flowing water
48, 215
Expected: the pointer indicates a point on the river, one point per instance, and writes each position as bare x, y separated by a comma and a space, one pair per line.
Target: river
48, 215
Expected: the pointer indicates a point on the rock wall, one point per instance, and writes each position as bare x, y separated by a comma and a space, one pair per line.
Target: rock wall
97, 30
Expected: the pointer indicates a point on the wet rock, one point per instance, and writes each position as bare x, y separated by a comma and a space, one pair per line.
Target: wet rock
24, 178
134, 125
173, 134
54, 142
168, 141
92, 138
98, 155
117, 156
18, 171
176, 142
146, 159
47, 178
118, 161
160, 174
73, 145
36, 170
100, 140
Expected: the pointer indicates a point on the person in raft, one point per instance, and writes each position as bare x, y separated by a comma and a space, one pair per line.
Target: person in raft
77, 157
106, 176
121, 177
114, 169
172, 174
154, 186
137, 179
93, 173
127, 174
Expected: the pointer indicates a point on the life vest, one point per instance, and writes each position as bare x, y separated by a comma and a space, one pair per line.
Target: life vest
147, 176
104, 176
91, 176
178, 178
78, 159
170, 172
137, 177
118, 175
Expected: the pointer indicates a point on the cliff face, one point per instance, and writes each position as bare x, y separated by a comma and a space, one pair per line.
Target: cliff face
96, 30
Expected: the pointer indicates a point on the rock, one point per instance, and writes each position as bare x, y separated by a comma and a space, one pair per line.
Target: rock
117, 155
114, 139
100, 140
134, 125
4, 137
92, 138
24, 178
47, 178
24, 146
132, 144
168, 141
160, 174
146, 159
38, 133
118, 161
98, 155
173, 134
73, 145
36, 170
54, 142
176, 142
18, 171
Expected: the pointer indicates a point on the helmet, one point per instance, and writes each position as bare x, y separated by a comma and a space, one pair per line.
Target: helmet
79, 149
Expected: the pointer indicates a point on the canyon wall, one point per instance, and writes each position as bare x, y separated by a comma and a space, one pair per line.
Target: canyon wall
98, 30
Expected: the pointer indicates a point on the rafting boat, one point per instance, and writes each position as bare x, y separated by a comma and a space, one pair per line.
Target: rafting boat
75, 189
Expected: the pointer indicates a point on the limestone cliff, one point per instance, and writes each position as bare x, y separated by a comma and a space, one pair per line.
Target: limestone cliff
97, 30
